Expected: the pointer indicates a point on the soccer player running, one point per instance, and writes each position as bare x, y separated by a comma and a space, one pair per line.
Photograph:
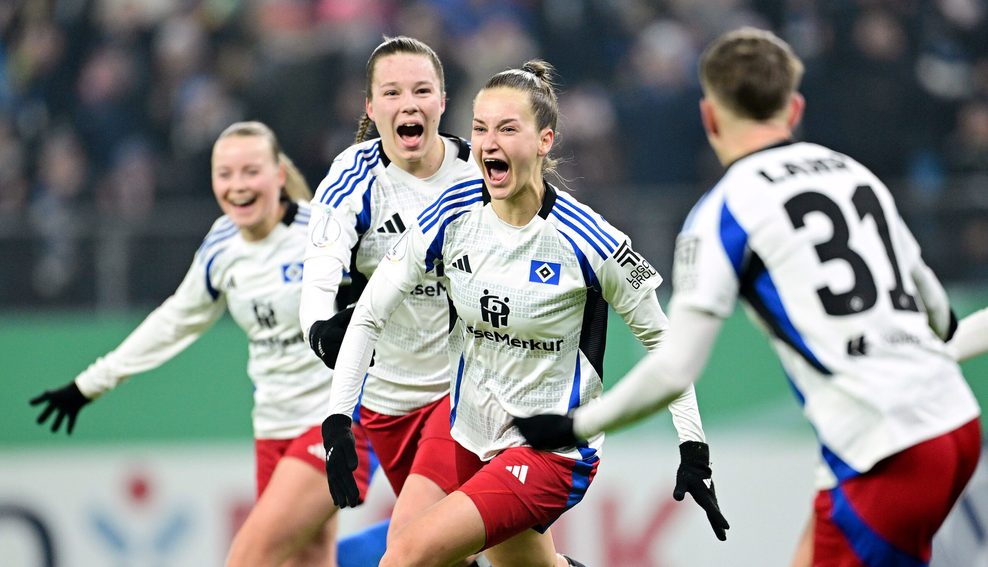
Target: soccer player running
530, 272
373, 191
249, 263
813, 243
969, 340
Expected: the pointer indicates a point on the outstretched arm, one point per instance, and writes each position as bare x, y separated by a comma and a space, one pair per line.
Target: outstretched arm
971, 337
658, 379
166, 332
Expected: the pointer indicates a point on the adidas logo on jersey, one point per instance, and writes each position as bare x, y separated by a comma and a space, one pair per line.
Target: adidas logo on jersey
392, 225
518, 471
462, 264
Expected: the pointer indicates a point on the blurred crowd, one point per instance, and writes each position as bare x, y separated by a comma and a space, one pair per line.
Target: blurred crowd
109, 108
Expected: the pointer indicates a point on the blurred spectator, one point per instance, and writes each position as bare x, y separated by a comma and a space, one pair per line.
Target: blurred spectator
13, 179
127, 192
661, 138
147, 85
872, 106
588, 136
966, 150
55, 212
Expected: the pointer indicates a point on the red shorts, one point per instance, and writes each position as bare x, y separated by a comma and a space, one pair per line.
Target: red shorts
308, 448
523, 488
888, 515
417, 442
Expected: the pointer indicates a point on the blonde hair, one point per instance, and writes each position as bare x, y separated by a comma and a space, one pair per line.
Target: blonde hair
296, 188
392, 46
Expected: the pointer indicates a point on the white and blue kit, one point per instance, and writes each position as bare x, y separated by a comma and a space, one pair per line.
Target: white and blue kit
359, 210
529, 320
814, 245
258, 282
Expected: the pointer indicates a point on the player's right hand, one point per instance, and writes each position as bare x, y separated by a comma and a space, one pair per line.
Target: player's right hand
66, 401
341, 460
326, 336
695, 477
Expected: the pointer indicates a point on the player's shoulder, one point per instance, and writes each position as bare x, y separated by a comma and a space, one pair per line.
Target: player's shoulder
218, 238
366, 152
298, 215
351, 170
459, 165
454, 201
462, 146
584, 227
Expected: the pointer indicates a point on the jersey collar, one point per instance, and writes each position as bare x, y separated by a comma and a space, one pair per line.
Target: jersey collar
548, 199
462, 148
779, 144
290, 211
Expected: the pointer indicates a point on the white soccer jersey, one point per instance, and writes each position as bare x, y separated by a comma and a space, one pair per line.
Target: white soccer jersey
259, 283
813, 242
366, 202
530, 306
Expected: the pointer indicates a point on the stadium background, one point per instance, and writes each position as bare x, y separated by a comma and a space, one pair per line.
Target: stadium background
108, 109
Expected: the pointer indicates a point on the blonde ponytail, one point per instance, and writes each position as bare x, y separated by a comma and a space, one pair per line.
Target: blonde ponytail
296, 187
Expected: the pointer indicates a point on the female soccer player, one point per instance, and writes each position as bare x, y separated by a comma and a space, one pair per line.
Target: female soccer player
529, 272
814, 244
250, 263
373, 191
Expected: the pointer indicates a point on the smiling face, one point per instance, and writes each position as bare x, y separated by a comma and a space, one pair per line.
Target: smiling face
247, 182
508, 144
406, 102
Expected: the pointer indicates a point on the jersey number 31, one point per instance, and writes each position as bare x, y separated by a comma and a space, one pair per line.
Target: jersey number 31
863, 294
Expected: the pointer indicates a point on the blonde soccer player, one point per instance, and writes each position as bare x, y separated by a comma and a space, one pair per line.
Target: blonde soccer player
250, 264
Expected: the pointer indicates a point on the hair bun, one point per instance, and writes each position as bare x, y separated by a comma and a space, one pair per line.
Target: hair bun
540, 68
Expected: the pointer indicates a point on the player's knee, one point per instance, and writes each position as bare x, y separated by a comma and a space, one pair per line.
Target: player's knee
405, 552
247, 551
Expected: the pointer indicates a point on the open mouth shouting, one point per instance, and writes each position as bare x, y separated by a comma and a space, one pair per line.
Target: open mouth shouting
410, 134
497, 170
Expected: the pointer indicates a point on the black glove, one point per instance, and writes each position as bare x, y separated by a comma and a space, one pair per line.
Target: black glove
325, 337
547, 431
341, 460
694, 476
67, 400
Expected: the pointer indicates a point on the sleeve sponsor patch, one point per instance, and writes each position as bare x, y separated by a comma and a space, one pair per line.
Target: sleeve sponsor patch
637, 269
684, 274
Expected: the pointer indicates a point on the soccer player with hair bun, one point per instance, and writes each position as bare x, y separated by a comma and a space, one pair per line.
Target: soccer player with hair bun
529, 272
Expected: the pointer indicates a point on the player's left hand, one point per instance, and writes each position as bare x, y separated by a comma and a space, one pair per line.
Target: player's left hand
341, 460
547, 431
694, 476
